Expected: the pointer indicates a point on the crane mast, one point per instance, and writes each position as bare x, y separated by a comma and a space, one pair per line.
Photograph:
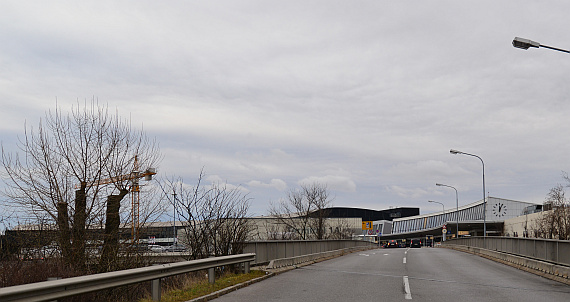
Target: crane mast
134, 178
135, 203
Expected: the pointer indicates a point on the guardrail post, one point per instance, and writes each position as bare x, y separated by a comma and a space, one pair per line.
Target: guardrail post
51, 279
211, 275
246, 267
155, 289
557, 251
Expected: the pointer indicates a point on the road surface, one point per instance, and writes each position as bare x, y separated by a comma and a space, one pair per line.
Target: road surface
426, 274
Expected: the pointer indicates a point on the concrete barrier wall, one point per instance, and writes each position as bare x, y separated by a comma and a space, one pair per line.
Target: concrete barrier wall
555, 251
299, 260
550, 270
277, 249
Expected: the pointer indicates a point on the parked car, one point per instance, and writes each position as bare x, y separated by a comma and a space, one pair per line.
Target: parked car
176, 248
156, 248
416, 243
40, 253
393, 243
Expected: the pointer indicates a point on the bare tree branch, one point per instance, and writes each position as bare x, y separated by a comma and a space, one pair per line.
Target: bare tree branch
62, 165
304, 212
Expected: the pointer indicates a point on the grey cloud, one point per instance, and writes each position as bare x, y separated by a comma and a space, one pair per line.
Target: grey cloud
368, 98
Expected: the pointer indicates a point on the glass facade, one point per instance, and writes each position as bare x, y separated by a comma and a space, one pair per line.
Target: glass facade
497, 210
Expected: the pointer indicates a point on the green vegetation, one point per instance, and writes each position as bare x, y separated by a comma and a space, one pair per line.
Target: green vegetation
199, 288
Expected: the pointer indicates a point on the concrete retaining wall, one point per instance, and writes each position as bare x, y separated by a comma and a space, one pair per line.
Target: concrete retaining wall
548, 250
552, 271
299, 260
279, 249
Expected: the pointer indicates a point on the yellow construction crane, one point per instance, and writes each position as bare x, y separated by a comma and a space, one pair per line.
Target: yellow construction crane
135, 190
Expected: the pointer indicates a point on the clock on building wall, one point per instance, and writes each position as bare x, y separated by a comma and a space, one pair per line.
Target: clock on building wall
500, 209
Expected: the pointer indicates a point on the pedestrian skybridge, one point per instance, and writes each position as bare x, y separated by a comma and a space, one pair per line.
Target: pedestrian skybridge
469, 218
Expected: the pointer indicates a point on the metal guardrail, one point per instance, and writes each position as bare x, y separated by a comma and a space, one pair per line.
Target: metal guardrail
266, 251
554, 251
51, 290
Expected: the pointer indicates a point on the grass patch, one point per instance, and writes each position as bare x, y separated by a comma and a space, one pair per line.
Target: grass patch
199, 288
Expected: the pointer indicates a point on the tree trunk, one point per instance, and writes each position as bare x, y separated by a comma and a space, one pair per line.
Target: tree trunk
64, 236
78, 229
111, 244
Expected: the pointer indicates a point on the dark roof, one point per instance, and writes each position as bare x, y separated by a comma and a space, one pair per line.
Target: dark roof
370, 215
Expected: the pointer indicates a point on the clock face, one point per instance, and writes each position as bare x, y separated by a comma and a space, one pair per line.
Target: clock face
500, 209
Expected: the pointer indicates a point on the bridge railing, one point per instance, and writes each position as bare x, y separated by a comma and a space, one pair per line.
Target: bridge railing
555, 251
56, 289
266, 251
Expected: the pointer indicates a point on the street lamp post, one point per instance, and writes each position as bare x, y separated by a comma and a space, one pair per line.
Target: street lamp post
442, 205
526, 43
484, 198
174, 220
443, 208
456, 210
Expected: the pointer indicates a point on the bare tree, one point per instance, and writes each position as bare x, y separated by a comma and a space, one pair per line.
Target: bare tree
293, 214
340, 229
275, 231
72, 167
318, 196
214, 218
555, 221
304, 212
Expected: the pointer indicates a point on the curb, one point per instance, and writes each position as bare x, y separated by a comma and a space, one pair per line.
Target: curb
230, 289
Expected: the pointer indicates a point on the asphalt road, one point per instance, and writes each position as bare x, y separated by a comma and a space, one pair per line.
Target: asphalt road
426, 274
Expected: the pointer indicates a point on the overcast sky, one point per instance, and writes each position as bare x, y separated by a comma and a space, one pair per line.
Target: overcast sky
367, 97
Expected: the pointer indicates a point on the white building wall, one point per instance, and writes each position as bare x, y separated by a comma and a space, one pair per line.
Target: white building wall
269, 228
519, 226
499, 209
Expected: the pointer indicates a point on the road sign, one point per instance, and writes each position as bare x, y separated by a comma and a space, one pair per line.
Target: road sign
367, 225
444, 226
444, 231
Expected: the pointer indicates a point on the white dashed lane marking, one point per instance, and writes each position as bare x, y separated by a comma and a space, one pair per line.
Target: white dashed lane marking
407, 291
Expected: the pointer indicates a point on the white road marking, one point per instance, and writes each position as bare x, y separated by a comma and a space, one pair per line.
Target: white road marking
363, 255
407, 291
404, 260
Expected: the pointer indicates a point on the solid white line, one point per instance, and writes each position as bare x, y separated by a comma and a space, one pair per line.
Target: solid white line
407, 292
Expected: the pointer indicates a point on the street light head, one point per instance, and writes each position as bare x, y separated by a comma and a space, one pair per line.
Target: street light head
455, 151
439, 185
431, 201
524, 43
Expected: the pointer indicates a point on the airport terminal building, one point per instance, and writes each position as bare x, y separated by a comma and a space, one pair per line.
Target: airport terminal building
344, 219
471, 219
343, 223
